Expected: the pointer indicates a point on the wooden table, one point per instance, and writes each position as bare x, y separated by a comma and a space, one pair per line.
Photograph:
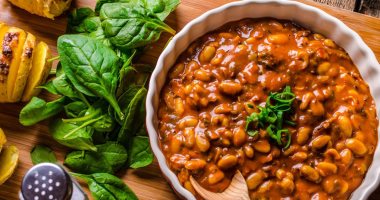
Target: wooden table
368, 7
148, 183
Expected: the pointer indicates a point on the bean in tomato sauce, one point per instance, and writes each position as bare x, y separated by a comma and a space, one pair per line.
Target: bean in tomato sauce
226, 75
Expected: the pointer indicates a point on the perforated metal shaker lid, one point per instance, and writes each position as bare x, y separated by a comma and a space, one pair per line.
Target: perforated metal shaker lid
46, 181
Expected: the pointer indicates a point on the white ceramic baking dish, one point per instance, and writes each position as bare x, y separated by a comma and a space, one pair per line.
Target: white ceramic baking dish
309, 17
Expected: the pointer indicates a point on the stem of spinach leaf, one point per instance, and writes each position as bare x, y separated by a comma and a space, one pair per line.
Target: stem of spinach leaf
53, 59
84, 118
83, 125
83, 98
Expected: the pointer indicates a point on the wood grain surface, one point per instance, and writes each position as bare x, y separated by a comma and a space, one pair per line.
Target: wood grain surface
148, 183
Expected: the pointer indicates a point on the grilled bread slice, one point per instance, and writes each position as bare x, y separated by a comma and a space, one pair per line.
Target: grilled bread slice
24, 68
44, 8
39, 72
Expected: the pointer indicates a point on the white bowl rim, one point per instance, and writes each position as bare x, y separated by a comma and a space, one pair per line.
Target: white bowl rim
359, 193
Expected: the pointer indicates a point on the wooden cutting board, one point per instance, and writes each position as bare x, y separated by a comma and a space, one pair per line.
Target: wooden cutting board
147, 183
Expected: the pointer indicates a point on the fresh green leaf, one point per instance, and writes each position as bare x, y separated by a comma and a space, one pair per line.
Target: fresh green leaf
105, 186
49, 87
273, 116
162, 8
72, 135
41, 154
64, 87
75, 20
38, 109
108, 158
130, 27
100, 3
91, 67
74, 109
252, 133
127, 127
106, 124
140, 154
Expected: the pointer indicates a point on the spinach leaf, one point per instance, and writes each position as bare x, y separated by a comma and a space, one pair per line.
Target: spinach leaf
140, 154
108, 158
162, 8
100, 3
38, 109
49, 87
75, 20
64, 87
40, 154
127, 128
72, 135
91, 67
106, 186
129, 27
105, 124
74, 109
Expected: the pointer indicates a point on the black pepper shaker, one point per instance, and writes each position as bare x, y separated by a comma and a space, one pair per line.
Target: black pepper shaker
47, 181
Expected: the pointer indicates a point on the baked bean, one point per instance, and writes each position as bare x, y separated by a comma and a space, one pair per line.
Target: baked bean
178, 161
320, 142
310, 173
333, 184
250, 40
287, 185
176, 144
359, 135
278, 38
317, 108
318, 36
323, 68
195, 164
189, 137
222, 109
332, 154
202, 142
239, 136
249, 152
215, 177
330, 185
177, 70
303, 135
361, 167
299, 156
237, 108
292, 149
207, 54
230, 87
306, 99
188, 121
280, 173
346, 157
265, 187
326, 168
356, 146
262, 146
227, 162
345, 126
356, 121
202, 75
329, 43
255, 179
